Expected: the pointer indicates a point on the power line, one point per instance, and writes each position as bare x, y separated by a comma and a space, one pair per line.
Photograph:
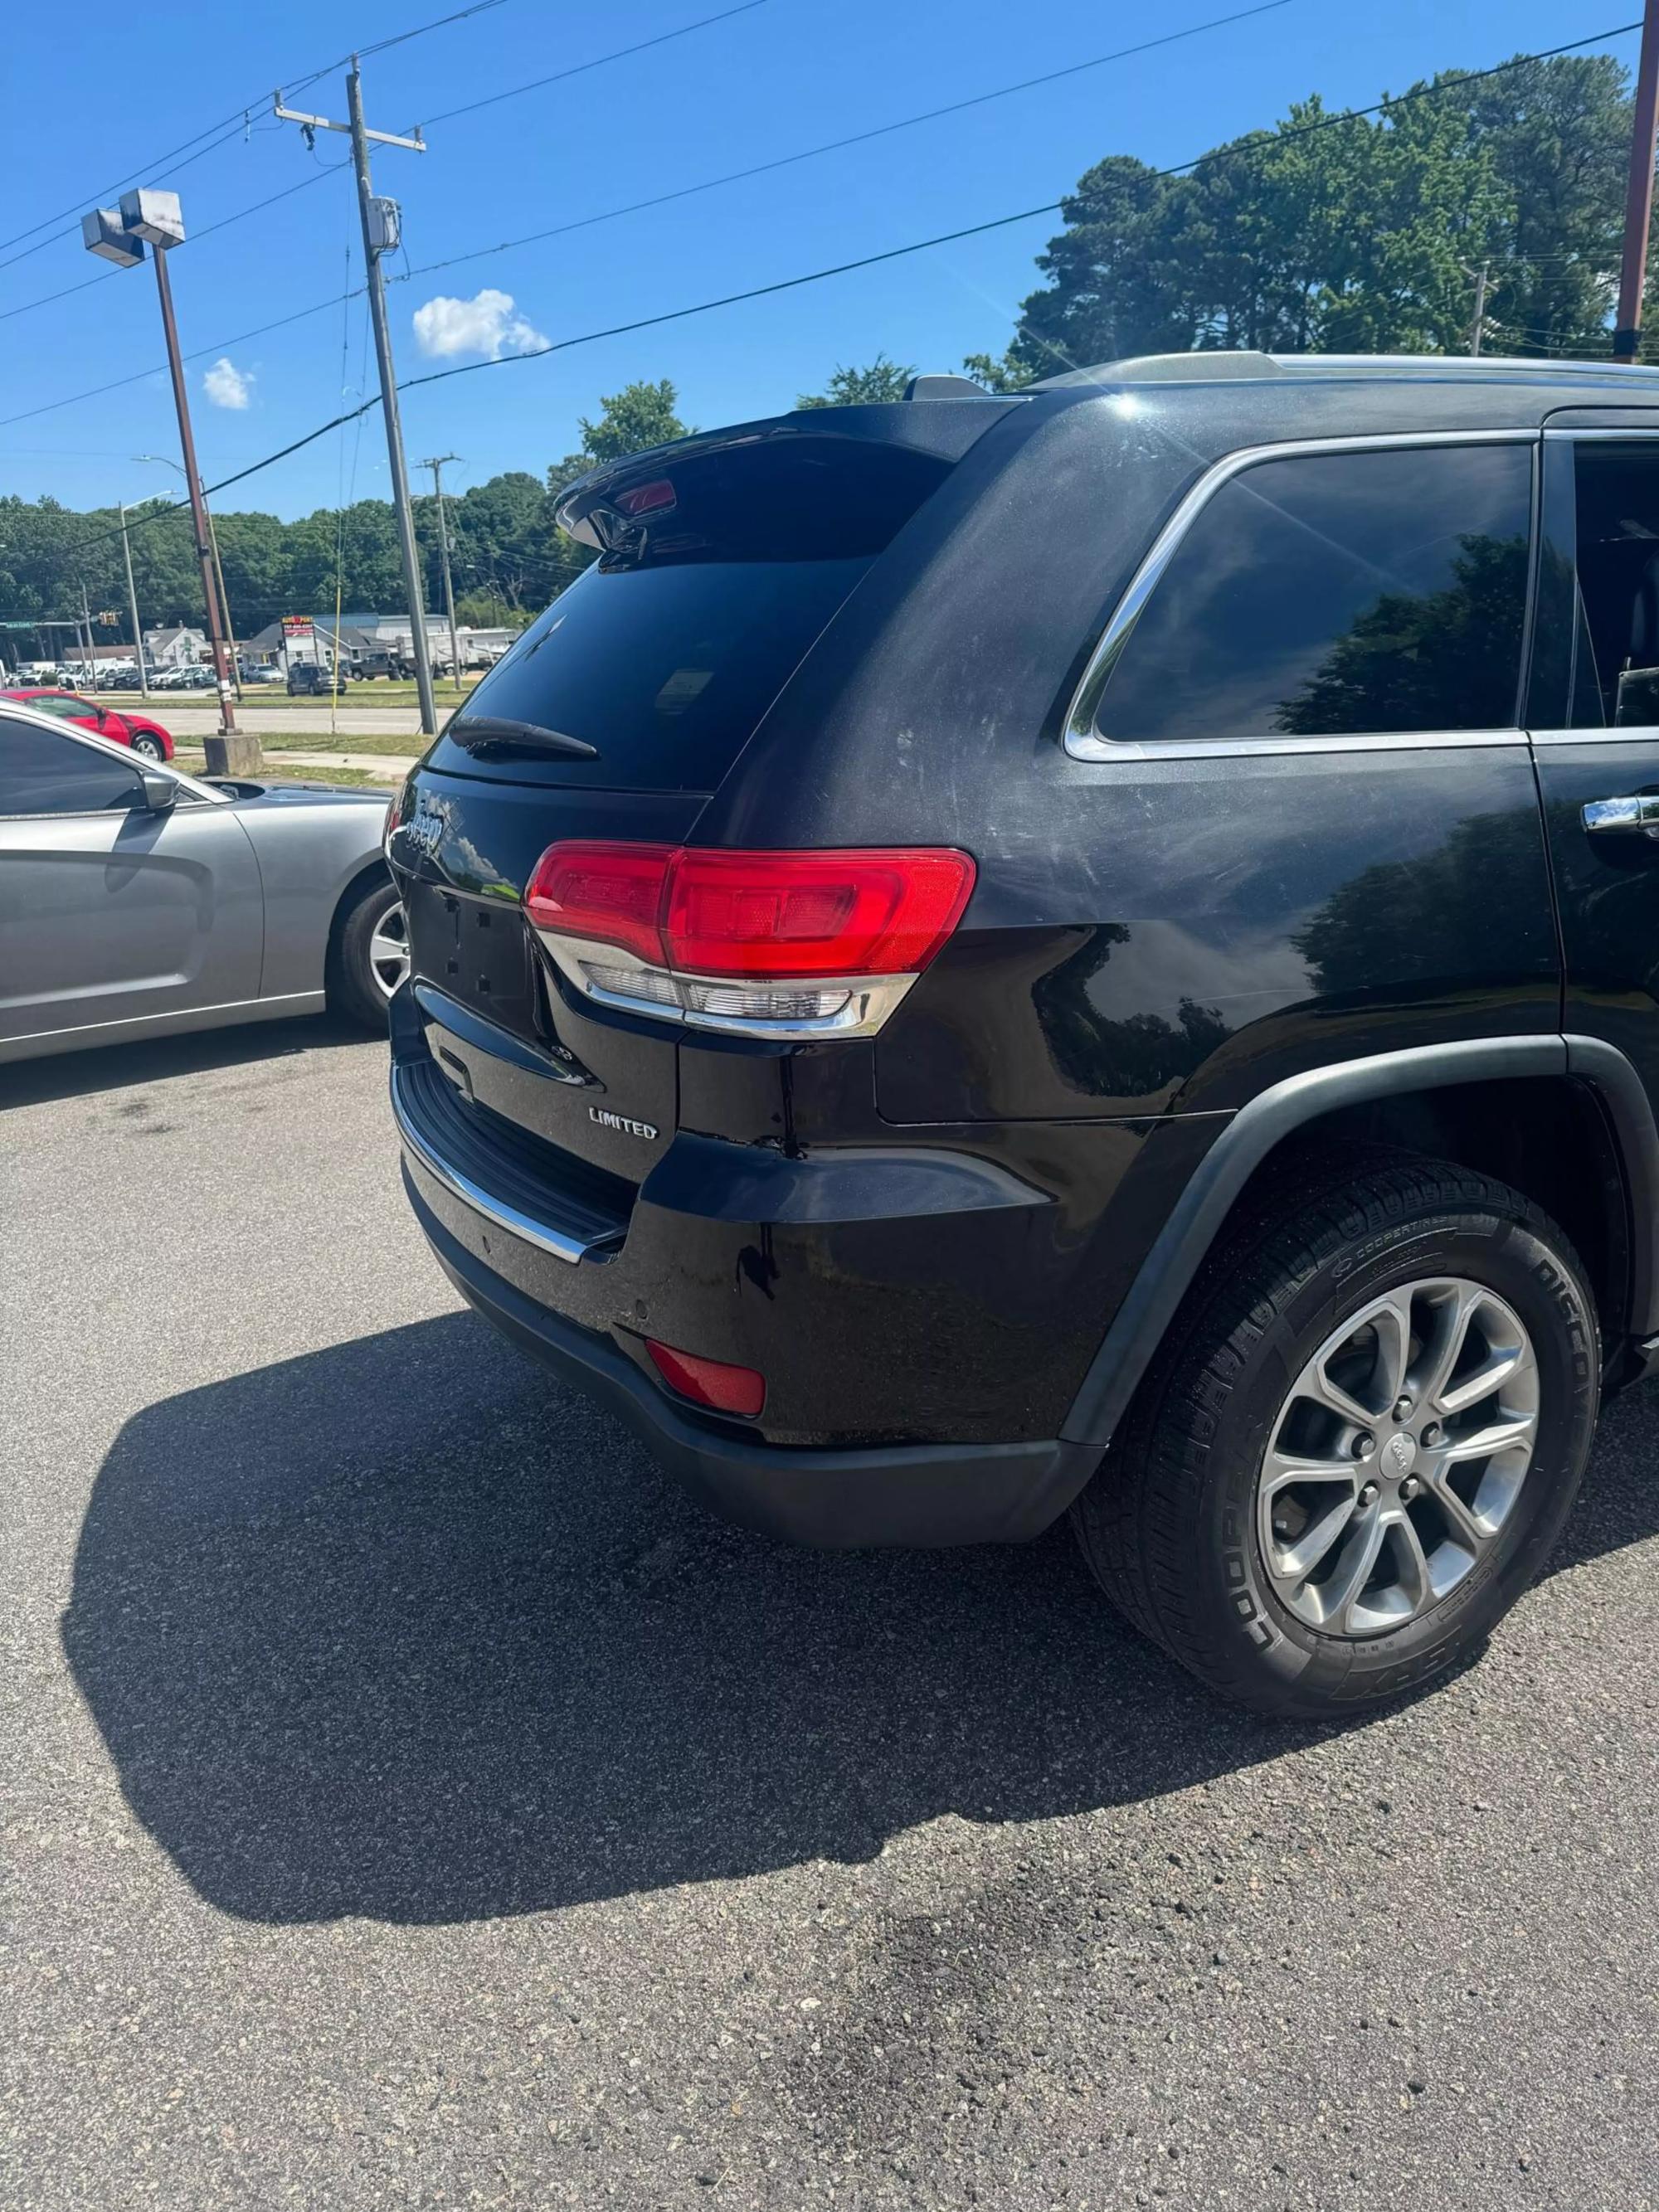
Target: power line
839, 145
230, 127
686, 192
137, 376
579, 69
103, 275
599, 61
1255, 145
634, 207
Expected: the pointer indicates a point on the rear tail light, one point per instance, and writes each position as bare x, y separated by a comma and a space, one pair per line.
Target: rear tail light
711, 1382
778, 944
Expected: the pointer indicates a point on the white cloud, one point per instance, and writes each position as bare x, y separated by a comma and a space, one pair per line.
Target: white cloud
227, 386
485, 324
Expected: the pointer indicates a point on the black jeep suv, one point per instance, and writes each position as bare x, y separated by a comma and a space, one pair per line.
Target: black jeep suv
1094, 950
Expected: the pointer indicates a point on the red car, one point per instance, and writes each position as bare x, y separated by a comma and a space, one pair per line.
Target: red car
138, 731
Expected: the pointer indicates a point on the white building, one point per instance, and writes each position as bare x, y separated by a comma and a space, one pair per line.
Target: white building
180, 647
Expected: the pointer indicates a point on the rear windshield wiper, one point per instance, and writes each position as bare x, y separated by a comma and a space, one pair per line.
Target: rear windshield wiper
470, 730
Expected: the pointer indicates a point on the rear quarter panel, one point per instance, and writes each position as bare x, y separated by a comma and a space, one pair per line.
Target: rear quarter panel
311, 848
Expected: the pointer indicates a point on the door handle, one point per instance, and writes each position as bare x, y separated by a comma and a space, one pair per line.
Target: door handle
1640, 812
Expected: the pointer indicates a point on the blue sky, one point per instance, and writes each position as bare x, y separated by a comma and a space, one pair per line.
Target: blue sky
784, 75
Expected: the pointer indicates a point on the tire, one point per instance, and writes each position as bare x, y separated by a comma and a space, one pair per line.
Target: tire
357, 979
149, 747
1199, 1499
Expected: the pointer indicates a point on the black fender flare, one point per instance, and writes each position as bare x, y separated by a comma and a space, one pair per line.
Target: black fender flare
1201, 1211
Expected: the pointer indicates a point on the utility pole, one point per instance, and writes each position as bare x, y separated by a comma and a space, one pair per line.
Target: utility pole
91, 669
380, 235
1638, 195
436, 466
1479, 278
132, 608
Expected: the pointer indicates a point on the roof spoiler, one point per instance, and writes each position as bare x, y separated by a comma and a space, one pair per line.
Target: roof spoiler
944, 427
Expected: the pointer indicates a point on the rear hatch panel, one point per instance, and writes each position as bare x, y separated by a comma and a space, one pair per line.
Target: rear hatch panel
499, 1023
721, 561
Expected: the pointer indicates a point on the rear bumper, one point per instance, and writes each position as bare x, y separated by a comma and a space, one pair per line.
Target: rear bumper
917, 1494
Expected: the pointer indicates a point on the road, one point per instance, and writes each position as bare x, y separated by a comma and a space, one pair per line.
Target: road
410, 1799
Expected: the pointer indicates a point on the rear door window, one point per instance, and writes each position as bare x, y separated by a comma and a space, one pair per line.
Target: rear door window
668, 650
1337, 594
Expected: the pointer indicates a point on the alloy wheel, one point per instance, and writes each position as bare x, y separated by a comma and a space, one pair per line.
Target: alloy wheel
1397, 1457
388, 950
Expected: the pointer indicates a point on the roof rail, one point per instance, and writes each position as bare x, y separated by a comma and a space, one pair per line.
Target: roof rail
1215, 367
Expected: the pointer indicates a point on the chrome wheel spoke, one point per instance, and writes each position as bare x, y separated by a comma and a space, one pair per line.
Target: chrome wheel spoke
388, 950
1482, 1381
1341, 1592
1465, 1525
1335, 1400
1412, 1561
1392, 1322
1453, 1314
1497, 1436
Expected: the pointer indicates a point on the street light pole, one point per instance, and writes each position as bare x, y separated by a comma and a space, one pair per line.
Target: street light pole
150, 218
221, 766
132, 607
218, 569
436, 466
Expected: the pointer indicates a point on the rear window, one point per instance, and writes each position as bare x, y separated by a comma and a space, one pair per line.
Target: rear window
666, 652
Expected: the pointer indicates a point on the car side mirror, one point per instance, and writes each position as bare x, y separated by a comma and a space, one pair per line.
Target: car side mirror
161, 792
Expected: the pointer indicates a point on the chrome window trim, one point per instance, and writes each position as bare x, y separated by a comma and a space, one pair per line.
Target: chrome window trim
1626, 436
1082, 742
1624, 734
571, 1249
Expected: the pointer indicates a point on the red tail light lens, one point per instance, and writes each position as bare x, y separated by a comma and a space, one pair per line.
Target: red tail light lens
795, 915
709, 1382
613, 894
797, 944
763, 915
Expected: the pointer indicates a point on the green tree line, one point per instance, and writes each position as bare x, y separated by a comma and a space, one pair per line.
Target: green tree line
507, 555
1364, 236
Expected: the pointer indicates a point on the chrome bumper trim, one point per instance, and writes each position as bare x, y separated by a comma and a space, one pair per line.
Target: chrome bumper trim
538, 1233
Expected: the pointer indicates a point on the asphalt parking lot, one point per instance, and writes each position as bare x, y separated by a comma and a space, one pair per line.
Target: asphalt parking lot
409, 1799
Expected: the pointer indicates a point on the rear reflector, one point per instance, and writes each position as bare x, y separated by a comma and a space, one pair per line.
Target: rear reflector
709, 1382
748, 940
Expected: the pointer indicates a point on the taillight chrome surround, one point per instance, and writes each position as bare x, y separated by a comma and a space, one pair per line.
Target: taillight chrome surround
813, 1007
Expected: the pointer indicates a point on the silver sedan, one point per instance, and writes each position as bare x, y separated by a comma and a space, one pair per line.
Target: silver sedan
136, 900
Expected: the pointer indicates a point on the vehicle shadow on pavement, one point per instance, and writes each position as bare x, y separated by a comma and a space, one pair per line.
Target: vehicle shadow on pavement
125, 1066
403, 1629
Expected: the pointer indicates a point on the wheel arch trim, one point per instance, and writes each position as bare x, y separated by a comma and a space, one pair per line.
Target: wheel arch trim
1200, 1213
